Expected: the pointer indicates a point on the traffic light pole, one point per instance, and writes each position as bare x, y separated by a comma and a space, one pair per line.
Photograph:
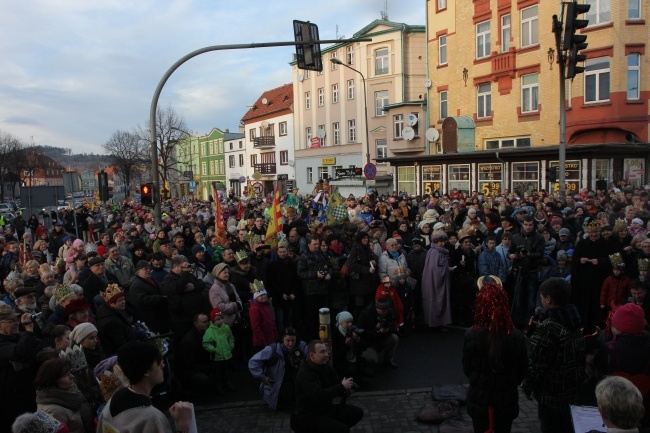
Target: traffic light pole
557, 29
155, 173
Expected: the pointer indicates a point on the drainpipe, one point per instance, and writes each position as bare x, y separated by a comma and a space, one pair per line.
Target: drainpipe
426, 60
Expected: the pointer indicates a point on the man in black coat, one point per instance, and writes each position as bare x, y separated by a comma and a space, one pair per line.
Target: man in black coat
148, 300
378, 322
93, 279
184, 296
316, 385
282, 284
193, 368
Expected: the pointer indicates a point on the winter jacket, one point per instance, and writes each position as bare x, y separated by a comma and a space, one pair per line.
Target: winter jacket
114, 328
491, 263
615, 291
533, 243
183, 305
316, 386
123, 270
282, 279
359, 262
388, 265
224, 296
556, 358
219, 342
309, 264
150, 304
262, 323
270, 362
488, 387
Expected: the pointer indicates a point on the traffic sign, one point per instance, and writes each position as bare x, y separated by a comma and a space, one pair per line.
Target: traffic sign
257, 175
370, 170
258, 188
242, 179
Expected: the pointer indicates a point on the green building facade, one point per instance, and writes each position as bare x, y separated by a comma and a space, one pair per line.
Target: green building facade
212, 162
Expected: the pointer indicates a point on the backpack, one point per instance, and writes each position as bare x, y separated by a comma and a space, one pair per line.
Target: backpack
438, 411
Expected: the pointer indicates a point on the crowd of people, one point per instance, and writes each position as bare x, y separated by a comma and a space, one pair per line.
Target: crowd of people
213, 291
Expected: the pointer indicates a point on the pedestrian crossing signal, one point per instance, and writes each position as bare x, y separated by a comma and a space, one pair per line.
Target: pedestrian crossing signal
146, 194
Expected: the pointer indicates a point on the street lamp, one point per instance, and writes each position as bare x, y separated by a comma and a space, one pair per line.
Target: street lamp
365, 103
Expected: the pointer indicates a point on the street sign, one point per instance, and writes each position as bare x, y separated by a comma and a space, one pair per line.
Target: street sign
257, 175
258, 188
242, 179
192, 186
348, 172
370, 170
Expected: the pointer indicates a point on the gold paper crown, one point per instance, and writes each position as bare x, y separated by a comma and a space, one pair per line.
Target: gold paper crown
241, 255
620, 225
62, 293
643, 264
592, 225
399, 272
76, 357
253, 239
283, 244
111, 291
490, 278
37, 422
257, 286
112, 381
616, 260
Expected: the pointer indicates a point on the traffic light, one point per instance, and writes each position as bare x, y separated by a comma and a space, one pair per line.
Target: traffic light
308, 56
146, 194
573, 42
102, 183
551, 174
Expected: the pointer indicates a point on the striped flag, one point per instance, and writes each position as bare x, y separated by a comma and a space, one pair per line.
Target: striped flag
275, 223
219, 225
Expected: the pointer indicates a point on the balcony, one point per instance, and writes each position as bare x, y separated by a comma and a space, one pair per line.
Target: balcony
265, 167
504, 64
264, 142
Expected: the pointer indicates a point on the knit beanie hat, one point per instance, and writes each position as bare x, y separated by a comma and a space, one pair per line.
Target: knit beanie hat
214, 312
343, 316
629, 319
78, 243
81, 331
218, 269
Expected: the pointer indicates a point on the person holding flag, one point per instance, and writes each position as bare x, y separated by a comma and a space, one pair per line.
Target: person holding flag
275, 222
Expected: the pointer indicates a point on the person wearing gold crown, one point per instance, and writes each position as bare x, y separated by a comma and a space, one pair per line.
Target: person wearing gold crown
113, 322
261, 317
590, 268
616, 287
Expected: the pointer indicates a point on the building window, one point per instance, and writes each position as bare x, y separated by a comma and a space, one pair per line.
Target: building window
482, 39
505, 143
634, 10
505, 33
602, 169
252, 134
283, 128
323, 173
335, 93
443, 105
308, 135
222, 169
307, 74
231, 161
336, 133
406, 179
350, 89
352, 131
310, 175
241, 145
525, 177
597, 80
484, 101
334, 66
212, 169
381, 100
529, 93
253, 160
307, 100
349, 54
416, 127
230, 148
633, 76
382, 148
381, 61
442, 50
458, 177
323, 133
599, 12
204, 170
442, 4
284, 157
241, 160
321, 96
398, 125
529, 33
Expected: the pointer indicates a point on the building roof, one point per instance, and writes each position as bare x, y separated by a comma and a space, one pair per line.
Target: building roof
233, 135
278, 99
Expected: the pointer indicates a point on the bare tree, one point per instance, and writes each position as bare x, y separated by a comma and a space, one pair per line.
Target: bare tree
170, 130
9, 148
127, 153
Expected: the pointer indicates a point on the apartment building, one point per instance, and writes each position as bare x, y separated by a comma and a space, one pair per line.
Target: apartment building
235, 156
354, 112
494, 98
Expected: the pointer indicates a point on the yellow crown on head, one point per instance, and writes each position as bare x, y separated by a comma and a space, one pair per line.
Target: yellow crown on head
111, 291
112, 381
620, 225
257, 286
592, 225
643, 264
241, 255
76, 357
283, 244
253, 239
62, 293
616, 260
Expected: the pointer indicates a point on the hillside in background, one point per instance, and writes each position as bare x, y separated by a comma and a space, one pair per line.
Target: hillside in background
79, 161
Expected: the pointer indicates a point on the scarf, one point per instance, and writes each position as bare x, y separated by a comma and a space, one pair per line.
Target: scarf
337, 249
394, 255
71, 399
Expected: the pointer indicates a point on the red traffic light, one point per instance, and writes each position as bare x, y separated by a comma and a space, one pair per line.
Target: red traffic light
145, 189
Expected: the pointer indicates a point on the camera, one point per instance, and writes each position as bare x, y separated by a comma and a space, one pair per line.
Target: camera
353, 330
521, 250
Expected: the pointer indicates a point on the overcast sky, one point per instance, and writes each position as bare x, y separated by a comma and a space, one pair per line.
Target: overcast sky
74, 71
